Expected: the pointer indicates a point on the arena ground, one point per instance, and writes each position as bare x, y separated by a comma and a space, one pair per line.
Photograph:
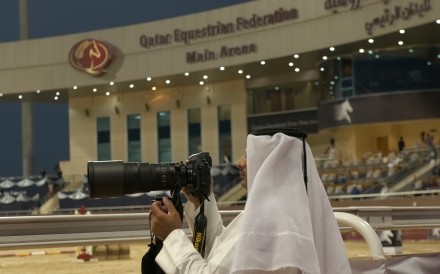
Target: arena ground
62, 260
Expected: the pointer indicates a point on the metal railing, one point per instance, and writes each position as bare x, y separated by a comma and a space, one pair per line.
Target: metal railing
73, 230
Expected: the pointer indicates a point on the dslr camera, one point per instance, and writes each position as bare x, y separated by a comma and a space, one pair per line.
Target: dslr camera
116, 178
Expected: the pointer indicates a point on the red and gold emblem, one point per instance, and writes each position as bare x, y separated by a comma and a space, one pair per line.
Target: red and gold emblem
91, 56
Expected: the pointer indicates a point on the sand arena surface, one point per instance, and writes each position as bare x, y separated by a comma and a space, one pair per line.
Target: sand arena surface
66, 264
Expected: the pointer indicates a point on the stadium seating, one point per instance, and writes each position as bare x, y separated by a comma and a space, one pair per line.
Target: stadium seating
21, 194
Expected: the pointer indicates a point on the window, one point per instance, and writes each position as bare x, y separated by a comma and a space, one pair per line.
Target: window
286, 97
134, 137
194, 131
164, 136
224, 131
103, 136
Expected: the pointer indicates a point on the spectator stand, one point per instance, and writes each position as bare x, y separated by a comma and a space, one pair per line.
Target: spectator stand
19, 196
398, 169
225, 177
373, 172
72, 200
427, 179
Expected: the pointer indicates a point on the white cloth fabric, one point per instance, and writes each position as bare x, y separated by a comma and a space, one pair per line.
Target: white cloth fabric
281, 230
284, 229
179, 256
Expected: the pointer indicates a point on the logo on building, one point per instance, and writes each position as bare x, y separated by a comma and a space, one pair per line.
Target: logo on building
91, 56
343, 111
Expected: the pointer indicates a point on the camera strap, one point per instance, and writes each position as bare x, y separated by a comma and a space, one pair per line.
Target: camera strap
200, 225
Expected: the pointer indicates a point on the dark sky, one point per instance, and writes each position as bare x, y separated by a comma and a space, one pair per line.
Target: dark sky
60, 17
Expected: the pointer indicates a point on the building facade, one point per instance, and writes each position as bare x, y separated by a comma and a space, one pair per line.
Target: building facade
161, 90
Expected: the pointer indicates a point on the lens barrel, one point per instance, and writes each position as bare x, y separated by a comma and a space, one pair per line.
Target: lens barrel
116, 178
105, 178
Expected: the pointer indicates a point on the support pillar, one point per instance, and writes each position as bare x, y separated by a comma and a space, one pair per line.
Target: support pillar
26, 107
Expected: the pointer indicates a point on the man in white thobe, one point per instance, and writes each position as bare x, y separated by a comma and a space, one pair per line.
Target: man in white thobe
287, 225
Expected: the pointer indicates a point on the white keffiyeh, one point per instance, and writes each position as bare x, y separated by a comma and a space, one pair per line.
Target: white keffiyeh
284, 228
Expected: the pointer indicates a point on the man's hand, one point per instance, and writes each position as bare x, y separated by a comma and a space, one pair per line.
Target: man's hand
187, 192
164, 218
195, 200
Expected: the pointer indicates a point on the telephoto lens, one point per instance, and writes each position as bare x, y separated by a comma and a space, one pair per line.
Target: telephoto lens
116, 178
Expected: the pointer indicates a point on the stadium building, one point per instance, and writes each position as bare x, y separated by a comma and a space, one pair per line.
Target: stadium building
362, 73
360, 77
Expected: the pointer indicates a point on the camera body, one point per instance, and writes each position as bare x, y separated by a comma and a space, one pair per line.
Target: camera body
116, 178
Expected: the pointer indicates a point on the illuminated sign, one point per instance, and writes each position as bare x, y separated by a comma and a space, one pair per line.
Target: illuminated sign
218, 28
187, 36
91, 56
224, 52
398, 12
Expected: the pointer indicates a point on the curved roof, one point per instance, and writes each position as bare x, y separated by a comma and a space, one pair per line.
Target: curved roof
52, 18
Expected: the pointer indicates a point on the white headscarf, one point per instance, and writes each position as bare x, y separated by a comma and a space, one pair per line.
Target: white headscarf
284, 228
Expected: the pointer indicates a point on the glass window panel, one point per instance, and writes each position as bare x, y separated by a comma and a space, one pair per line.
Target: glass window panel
224, 131
194, 131
103, 137
164, 136
286, 97
134, 137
